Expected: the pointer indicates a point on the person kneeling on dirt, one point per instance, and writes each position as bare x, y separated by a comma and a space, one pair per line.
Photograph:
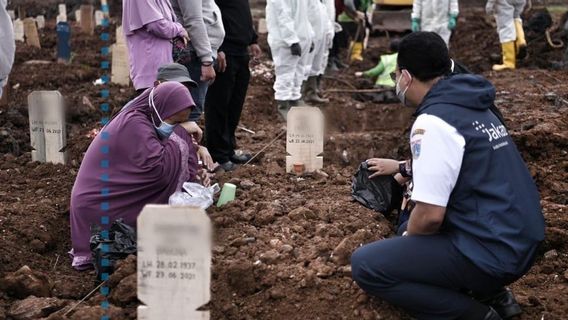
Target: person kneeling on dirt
477, 222
383, 71
141, 156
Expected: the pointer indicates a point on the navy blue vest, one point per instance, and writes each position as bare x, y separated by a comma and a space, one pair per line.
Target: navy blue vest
493, 215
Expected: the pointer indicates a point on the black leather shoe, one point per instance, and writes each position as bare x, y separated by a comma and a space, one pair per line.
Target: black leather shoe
227, 166
504, 303
492, 315
241, 158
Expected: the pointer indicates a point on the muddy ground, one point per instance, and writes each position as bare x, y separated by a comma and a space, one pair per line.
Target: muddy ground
303, 229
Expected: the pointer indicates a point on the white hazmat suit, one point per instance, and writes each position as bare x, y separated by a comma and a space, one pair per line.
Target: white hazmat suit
323, 23
287, 23
7, 45
505, 12
434, 16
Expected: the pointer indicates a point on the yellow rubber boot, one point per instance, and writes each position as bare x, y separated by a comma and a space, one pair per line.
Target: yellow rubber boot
509, 58
520, 42
357, 51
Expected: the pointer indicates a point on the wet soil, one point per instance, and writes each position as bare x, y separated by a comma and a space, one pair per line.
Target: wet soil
282, 248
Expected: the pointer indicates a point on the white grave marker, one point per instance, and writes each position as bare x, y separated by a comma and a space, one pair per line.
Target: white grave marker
174, 262
47, 126
40, 20
12, 14
18, 30
262, 29
78, 16
304, 142
60, 18
120, 72
63, 9
30, 31
99, 16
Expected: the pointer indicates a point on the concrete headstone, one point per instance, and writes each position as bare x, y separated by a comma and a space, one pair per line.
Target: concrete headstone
262, 29
120, 39
40, 20
174, 262
87, 19
78, 16
30, 31
47, 126
62, 16
18, 30
63, 42
12, 14
99, 16
304, 142
120, 73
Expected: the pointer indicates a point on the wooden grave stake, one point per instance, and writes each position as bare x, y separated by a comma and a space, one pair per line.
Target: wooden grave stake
30, 31
87, 19
120, 73
174, 262
47, 126
304, 141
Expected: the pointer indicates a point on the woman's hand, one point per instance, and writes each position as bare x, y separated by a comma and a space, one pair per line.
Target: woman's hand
193, 129
206, 158
382, 167
204, 177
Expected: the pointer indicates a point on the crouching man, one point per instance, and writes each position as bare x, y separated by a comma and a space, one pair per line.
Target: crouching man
477, 222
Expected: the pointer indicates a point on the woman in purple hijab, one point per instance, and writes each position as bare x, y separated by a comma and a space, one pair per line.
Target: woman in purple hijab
149, 27
141, 156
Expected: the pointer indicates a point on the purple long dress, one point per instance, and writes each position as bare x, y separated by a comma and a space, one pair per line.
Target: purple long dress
149, 26
128, 166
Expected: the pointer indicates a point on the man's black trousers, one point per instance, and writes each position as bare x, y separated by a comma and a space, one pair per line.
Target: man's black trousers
425, 275
223, 107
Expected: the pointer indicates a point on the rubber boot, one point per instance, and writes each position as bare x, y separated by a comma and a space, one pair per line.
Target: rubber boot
509, 59
504, 303
521, 42
492, 315
357, 51
283, 107
311, 92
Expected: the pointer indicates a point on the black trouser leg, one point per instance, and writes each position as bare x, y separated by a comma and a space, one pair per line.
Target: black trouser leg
223, 107
242, 79
425, 275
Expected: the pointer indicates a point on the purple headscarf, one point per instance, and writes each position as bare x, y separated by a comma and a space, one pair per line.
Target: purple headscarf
138, 13
140, 168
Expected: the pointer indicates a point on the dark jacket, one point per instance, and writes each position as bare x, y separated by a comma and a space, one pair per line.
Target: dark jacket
493, 215
239, 31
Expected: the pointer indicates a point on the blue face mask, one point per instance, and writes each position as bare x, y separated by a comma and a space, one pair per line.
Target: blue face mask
165, 129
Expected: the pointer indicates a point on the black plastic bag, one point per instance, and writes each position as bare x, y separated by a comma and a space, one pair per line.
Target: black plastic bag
120, 243
382, 194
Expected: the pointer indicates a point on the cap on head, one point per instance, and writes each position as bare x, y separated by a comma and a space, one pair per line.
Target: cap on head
425, 55
175, 72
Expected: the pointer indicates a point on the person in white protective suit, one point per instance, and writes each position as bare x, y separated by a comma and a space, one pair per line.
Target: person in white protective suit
322, 21
510, 28
290, 39
439, 16
7, 45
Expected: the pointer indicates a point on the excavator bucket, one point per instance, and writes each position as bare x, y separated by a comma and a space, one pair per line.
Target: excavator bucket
392, 15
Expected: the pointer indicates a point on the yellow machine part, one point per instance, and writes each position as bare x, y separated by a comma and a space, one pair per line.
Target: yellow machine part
394, 2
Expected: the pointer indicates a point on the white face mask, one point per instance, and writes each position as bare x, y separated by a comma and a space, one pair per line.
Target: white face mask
401, 94
165, 129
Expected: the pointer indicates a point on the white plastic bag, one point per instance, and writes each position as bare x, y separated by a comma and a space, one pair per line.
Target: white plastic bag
195, 195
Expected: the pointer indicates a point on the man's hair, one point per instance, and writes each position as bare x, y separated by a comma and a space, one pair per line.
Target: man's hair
425, 55
394, 44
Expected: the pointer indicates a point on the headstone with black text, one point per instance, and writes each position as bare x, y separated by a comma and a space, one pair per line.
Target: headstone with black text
47, 126
174, 262
304, 141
